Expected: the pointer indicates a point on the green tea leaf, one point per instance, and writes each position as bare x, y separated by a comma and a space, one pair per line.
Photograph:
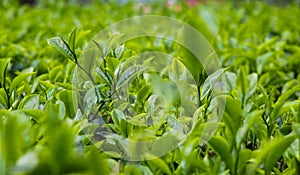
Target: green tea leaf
19, 80
252, 79
56, 111
158, 164
117, 115
63, 47
232, 116
220, 145
244, 156
3, 66
275, 151
262, 60
144, 93
281, 101
130, 74
210, 82
176, 72
106, 77
242, 84
72, 39
118, 51
71, 103
30, 102
3, 98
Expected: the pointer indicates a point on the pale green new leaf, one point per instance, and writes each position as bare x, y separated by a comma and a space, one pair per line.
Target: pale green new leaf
281, 101
117, 116
158, 164
72, 40
3, 66
19, 79
30, 102
63, 47
209, 83
129, 75
220, 145
275, 151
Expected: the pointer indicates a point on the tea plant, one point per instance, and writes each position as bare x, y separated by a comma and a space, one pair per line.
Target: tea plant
51, 125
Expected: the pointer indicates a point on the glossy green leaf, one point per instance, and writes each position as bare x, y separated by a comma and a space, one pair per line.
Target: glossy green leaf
55, 73
118, 51
104, 76
244, 157
144, 93
19, 80
158, 164
232, 116
30, 102
3, 66
281, 101
242, 84
56, 111
63, 47
117, 116
130, 74
71, 103
210, 82
220, 145
275, 151
176, 72
3, 98
252, 79
72, 39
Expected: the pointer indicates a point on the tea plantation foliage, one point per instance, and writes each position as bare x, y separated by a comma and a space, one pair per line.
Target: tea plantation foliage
42, 130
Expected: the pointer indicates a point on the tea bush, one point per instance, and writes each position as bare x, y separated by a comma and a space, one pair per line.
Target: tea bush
43, 128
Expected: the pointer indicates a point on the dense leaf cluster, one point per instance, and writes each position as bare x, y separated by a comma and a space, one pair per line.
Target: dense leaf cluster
49, 125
